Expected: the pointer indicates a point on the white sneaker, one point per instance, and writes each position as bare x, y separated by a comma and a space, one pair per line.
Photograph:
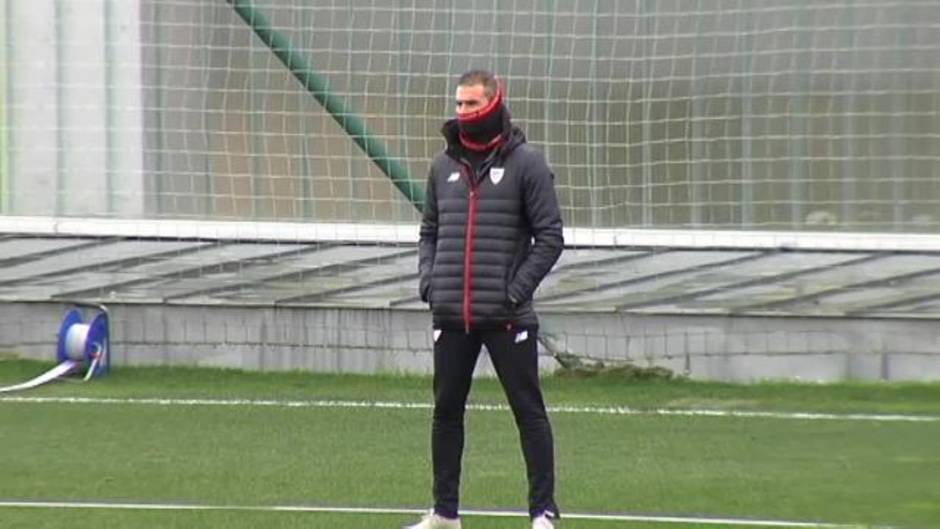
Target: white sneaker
542, 522
433, 521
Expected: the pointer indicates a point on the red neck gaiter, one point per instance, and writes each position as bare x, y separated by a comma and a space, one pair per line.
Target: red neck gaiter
483, 129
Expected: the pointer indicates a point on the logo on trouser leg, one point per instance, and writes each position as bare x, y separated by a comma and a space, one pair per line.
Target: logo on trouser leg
437, 334
522, 336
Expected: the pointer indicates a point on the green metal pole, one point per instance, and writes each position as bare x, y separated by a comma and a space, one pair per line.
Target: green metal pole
319, 89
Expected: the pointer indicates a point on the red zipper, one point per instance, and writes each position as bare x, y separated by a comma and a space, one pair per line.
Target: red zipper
468, 259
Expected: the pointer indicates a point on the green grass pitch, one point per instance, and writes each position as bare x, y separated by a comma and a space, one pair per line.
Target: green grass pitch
866, 472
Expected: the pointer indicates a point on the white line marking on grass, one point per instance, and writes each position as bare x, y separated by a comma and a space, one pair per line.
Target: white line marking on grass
680, 519
589, 410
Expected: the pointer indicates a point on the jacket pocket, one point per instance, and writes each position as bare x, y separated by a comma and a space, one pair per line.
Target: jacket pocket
508, 306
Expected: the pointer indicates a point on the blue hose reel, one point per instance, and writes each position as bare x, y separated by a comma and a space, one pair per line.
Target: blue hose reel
80, 345
86, 342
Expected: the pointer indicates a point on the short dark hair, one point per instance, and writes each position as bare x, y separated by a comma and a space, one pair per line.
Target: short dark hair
483, 77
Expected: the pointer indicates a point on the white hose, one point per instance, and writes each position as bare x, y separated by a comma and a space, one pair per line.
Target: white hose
75, 339
95, 360
58, 371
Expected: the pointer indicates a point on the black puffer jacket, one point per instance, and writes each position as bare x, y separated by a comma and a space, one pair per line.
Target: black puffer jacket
478, 263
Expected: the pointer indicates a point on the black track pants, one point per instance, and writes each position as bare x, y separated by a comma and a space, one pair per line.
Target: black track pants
514, 354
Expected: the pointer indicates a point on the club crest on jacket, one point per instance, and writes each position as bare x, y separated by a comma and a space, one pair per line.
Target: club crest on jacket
496, 174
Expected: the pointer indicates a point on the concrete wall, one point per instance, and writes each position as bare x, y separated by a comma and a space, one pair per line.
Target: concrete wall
383, 341
74, 125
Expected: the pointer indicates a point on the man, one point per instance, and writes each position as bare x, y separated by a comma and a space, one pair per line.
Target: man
491, 231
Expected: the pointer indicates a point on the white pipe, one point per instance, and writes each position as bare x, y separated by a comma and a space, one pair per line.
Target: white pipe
125, 110
82, 108
299, 232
